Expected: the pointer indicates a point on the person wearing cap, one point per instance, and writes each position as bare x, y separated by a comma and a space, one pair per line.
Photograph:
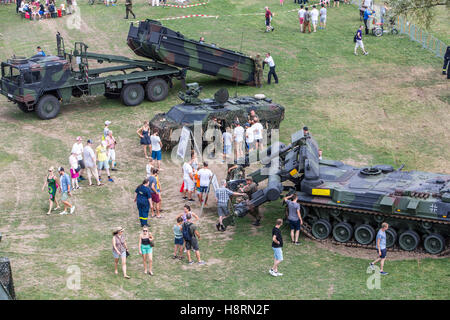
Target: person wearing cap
111, 146
305, 131
106, 129
91, 163
250, 188
119, 250
77, 148
238, 135
65, 191
102, 156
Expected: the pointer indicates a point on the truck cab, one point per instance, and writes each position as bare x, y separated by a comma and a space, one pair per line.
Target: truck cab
24, 81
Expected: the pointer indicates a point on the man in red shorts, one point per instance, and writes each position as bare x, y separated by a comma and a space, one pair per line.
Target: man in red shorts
156, 197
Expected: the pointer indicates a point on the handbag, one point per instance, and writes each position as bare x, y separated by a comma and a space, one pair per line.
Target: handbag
152, 243
127, 253
78, 169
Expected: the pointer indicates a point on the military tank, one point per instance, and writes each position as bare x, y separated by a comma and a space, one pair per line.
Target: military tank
350, 203
222, 110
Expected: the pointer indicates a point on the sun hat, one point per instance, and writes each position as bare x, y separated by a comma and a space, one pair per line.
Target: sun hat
107, 122
117, 230
79, 138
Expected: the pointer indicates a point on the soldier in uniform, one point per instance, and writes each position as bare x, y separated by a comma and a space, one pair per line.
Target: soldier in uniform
212, 128
258, 71
249, 189
128, 9
235, 172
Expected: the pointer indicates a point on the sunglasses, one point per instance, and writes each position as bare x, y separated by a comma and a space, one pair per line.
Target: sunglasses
145, 230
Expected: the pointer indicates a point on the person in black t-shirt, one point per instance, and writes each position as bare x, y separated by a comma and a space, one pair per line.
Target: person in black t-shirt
277, 245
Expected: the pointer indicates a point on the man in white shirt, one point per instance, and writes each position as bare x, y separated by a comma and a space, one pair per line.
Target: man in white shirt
271, 63
227, 140
301, 17
91, 162
156, 148
323, 17
314, 17
205, 176
257, 129
188, 178
238, 134
249, 137
77, 148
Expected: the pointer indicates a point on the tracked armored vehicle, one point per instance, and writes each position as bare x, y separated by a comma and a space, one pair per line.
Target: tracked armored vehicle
350, 203
225, 109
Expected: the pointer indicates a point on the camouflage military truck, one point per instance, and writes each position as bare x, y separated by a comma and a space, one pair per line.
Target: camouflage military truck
41, 83
351, 203
223, 108
152, 40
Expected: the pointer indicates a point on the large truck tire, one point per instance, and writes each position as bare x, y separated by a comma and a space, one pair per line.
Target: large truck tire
132, 94
157, 89
48, 107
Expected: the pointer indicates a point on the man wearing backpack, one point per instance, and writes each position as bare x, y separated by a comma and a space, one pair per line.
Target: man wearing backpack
358, 40
191, 237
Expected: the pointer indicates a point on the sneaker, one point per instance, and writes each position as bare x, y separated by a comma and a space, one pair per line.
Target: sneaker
366, 53
174, 257
191, 262
222, 227
201, 262
355, 53
279, 274
371, 266
113, 169
110, 180
272, 272
218, 226
63, 212
384, 273
191, 200
184, 198
297, 243
72, 209
256, 223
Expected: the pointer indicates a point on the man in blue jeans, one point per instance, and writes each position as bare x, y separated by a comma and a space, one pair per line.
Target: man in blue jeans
381, 247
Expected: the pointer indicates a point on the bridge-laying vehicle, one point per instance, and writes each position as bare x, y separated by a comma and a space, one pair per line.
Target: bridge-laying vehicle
350, 203
42, 83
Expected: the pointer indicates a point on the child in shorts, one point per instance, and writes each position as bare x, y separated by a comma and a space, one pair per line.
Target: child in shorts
177, 231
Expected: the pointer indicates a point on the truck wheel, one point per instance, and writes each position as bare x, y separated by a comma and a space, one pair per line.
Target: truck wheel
156, 89
48, 107
23, 107
132, 94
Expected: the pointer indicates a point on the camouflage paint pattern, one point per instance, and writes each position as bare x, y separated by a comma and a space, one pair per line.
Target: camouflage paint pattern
150, 39
270, 114
333, 191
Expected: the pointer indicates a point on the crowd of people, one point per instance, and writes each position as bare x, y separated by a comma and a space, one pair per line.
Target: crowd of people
238, 141
43, 9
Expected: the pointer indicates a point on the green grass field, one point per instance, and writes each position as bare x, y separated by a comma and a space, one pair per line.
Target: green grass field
391, 107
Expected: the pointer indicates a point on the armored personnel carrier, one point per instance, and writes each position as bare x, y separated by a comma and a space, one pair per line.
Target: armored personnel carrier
224, 109
350, 203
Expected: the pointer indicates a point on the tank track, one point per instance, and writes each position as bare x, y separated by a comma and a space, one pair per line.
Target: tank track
307, 231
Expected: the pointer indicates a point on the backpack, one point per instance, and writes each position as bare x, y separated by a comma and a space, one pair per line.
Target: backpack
187, 231
354, 38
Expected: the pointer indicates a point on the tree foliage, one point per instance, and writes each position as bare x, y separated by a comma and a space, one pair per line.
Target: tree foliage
419, 11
